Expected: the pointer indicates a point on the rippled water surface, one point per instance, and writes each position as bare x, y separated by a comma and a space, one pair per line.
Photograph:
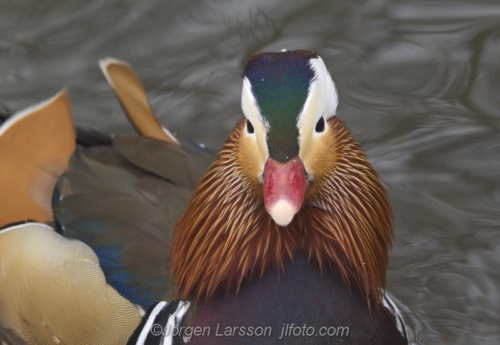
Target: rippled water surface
419, 85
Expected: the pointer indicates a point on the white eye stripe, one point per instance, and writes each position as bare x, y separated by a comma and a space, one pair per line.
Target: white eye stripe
250, 107
322, 95
322, 100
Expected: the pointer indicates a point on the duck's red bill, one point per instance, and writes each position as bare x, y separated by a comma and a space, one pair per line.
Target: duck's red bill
284, 189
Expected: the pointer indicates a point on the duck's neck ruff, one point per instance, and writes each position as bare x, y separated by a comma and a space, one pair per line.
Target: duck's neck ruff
226, 236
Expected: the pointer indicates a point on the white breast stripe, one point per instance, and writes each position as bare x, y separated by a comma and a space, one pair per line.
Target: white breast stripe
147, 327
393, 308
164, 334
174, 321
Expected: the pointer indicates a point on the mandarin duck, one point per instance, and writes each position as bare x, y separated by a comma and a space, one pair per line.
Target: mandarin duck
281, 237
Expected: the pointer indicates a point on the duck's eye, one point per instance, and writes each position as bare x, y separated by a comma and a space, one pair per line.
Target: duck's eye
250, 127
320, 125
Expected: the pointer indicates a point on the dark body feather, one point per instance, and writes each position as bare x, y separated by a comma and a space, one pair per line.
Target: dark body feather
299, 295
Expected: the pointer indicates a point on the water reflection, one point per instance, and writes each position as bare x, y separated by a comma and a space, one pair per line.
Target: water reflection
419, 86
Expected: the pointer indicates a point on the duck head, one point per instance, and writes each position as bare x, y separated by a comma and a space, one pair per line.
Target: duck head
289, 178
287, 98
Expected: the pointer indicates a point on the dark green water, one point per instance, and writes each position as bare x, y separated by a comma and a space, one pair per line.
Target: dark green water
419, 85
